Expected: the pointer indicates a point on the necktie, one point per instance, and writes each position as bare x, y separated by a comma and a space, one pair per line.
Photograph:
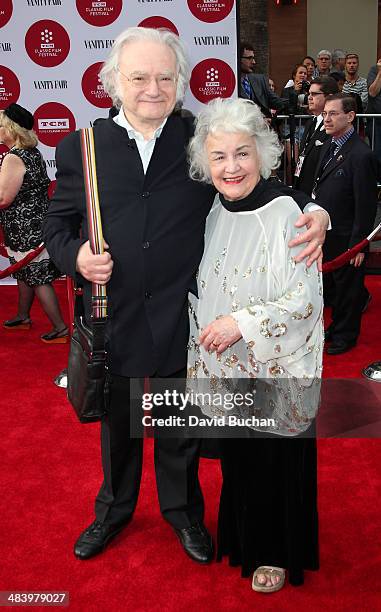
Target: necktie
247, 87
330, 154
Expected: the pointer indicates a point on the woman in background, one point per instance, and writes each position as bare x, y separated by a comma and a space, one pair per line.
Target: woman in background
23, 203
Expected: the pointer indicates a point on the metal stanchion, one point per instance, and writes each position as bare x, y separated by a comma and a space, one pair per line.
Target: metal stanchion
61, 378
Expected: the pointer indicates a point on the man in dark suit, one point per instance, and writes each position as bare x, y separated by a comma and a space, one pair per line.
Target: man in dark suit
153, 219
256, 86
314, 134
346, 182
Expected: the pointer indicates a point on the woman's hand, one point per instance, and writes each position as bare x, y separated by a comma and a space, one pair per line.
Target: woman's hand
220, 334
298, 86
317, 223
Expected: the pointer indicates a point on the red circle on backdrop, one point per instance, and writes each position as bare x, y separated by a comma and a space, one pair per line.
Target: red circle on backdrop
6, 11
53, 121
93, 89
210, 10
47, 43
9, 87
98, 13
52, 188
158, 22
212, 78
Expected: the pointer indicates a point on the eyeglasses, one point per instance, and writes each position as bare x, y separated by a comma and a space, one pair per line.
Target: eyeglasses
142, 80
316, 93
332, 113
248, 57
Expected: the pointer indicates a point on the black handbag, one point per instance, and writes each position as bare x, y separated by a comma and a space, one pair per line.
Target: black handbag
88, 382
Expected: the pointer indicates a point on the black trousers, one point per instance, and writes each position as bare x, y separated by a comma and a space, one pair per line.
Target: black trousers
345, 291
176, 466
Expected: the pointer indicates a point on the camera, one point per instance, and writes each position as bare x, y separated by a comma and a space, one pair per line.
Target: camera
305, 87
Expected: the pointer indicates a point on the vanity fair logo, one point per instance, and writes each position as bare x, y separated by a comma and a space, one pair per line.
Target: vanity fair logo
210, 10
93, 89
99, 43
212, 78
6, 10
53, 121
9, 87
158, 22
44, 2
99, 12
47, 43
211, 40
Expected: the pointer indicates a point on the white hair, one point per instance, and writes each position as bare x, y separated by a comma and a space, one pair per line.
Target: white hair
324, 52
109, 74
232, 116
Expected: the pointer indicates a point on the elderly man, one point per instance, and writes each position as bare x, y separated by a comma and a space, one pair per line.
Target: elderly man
323, 62
153, 218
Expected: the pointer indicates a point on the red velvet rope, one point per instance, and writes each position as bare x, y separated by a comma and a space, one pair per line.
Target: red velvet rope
345, 258
22, 263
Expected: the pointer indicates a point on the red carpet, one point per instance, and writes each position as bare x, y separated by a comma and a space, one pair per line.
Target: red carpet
50, 472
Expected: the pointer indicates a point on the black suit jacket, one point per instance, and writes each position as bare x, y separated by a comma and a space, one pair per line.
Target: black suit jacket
311, 151
347, 189
262, 95
154, 224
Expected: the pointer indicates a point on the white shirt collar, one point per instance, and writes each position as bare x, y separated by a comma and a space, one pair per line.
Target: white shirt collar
121, 120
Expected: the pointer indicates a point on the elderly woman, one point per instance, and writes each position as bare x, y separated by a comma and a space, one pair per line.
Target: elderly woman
23, 204
257, 325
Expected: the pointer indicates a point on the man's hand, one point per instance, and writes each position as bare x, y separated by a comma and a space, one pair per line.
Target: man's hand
95, 268
357, 260
317, 223
220, 334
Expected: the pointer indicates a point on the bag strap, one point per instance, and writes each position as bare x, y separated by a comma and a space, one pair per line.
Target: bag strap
94, 221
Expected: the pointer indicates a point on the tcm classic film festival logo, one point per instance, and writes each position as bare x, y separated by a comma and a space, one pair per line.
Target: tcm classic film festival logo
9, 87
99, 12
6, 10
47, 43
212, 78
93, 89
53, 121
210, 11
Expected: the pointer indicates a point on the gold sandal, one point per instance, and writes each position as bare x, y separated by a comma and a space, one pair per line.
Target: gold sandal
268, 571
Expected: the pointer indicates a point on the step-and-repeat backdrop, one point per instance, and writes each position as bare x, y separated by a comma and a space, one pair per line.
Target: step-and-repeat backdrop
51, 52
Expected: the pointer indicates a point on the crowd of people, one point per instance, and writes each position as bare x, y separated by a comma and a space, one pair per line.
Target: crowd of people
238, 309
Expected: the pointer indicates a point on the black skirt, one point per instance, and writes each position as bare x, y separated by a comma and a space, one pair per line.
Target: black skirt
268, 506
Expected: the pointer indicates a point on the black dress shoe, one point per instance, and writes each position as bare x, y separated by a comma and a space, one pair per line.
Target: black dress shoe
340, 347
197, 543
94, 539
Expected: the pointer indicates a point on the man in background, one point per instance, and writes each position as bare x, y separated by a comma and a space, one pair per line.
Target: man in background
314, 134
346, 181
323, 62
355, 84
255, 86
